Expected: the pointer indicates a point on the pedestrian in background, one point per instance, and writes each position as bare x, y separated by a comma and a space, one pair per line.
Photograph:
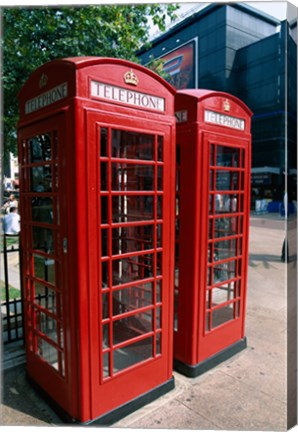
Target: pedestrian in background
11, 222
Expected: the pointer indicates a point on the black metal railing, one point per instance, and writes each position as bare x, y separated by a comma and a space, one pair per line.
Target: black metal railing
11, 305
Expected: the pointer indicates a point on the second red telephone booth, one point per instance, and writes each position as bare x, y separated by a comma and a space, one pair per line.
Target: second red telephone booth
97, 173
212, 222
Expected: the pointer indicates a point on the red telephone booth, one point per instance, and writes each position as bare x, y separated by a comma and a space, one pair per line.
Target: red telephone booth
212, 222
97, 162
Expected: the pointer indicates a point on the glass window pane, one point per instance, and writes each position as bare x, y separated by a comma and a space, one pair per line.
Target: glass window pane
42, 210
132, 177
132, 269
133, 354
44, 268
160, 148
132, 208
132, 145
41, 178
105, 305
46, 297
227, 180
226, 203
104, 176
104, 209
223, 293
222, 315
42, 239
104, 242
132, 239
226, 226
104, 142
106, 335
47, 325
105, 274
160, 178
47, 352
40, 148
227, 156
106, 365
224, 249
158, 343
222, 272
132, 326
132, 298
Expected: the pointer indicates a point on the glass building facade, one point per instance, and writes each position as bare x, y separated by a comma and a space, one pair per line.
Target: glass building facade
240, 50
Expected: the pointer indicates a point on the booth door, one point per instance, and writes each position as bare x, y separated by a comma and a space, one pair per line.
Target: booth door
226, 186
43, 261
130, 221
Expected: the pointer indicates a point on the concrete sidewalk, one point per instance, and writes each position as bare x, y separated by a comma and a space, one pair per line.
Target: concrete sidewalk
246, 392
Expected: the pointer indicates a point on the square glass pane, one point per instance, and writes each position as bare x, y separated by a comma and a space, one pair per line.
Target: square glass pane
227, 156
227, 180
132, 298
222, 315
132, 145
224, 249
133, 354
223, 272
43, 239
158, 291
132, 177
42, 210
223, 293
44, 268
226, 226
133, 268
132, 208
47, 325
40, 148
226, 203
132, 239
47, 298
47, 352
41, 178
132, 326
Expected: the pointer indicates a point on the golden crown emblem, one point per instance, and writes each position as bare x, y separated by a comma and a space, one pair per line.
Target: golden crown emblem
43, 81
226, 105
131, 78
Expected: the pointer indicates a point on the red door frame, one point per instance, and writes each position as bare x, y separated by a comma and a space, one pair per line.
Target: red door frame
156, 370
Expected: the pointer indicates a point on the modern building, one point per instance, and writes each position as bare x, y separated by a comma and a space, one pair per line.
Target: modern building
240, 50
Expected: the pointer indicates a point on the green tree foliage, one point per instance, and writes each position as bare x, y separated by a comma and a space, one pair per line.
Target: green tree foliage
34, 36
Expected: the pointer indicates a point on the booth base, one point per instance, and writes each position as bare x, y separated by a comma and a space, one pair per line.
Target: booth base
193, 371
110, 417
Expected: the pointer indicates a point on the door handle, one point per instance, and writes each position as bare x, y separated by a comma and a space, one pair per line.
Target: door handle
65, 245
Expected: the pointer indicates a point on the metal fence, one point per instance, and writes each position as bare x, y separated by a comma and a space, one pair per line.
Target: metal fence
11, 290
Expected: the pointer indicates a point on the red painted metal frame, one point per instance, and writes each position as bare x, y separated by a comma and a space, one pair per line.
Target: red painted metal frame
81, 391
194, 342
